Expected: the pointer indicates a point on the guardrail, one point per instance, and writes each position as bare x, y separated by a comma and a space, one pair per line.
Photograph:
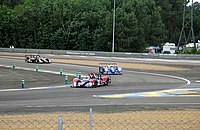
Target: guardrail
104, 54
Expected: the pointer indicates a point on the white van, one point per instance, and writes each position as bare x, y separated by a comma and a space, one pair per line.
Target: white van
169, 48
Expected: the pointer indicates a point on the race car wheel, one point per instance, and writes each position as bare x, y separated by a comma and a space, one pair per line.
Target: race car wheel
95, 84
101, 70
77, 83
107, 81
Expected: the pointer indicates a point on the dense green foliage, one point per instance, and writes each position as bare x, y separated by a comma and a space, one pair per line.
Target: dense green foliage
87, 24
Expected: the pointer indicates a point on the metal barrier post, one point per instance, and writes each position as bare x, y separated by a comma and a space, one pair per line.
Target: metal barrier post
60, 122
76, 74
60, 72
66, 79
14, 65
36, 68
90, 118
79, 72
23, 83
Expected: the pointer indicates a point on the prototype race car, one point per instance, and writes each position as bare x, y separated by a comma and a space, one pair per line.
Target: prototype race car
110, 68
36, 59
91, 81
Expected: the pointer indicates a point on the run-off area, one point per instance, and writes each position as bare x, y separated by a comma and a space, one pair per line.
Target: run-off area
12, 79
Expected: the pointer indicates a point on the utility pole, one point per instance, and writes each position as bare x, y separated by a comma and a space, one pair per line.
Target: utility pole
113, 43
187, 31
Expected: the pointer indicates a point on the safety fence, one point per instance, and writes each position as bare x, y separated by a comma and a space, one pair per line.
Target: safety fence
127, 120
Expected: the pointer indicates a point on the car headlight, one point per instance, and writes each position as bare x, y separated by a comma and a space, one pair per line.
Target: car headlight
106, 69
119, 68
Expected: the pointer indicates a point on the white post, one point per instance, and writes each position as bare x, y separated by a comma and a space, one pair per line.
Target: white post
60, 122
90, 118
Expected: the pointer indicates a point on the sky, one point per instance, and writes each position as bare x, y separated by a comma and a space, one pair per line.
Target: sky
195, 1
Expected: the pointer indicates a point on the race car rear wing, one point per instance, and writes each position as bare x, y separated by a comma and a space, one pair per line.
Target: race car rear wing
32, 56
108, 64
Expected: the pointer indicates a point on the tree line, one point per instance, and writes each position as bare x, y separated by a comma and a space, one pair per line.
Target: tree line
87, 24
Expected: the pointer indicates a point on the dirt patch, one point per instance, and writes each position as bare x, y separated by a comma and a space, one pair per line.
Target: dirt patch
171, 119
124, 65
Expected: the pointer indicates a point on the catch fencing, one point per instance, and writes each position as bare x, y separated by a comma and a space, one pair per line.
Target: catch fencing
127, 120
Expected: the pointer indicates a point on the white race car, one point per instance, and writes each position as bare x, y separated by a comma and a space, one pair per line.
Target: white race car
36, 59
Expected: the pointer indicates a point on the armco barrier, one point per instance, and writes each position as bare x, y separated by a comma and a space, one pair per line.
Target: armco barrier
104, 54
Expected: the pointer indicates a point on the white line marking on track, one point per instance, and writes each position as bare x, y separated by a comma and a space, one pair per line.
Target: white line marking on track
4, 90
38, 88
127, 104
156, 74
163, 75
149, 59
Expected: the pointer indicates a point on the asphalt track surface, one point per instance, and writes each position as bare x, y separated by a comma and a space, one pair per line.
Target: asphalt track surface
81, 99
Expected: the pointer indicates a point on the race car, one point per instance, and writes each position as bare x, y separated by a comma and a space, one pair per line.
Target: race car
91, 81
36, 59
110, 68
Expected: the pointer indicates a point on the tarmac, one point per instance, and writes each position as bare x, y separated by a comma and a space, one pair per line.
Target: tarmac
12, 79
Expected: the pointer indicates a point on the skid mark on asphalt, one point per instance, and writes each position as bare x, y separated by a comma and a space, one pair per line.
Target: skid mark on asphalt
191, 92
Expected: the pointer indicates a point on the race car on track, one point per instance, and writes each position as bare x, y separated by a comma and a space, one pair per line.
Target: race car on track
36, 59
110, 68
91, 81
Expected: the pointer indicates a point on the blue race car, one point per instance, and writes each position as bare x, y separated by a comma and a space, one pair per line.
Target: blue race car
110, 68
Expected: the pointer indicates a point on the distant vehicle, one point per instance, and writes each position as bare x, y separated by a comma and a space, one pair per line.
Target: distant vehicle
110, 68
152, 50
191, 45
36, 59
166, 52
169, 48
91, 81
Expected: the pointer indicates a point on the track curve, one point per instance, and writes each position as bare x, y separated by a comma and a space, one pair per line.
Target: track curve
78, 98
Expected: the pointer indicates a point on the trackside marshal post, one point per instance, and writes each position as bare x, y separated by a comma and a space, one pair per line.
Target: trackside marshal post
23, 83
60, 72
13, 65
36, 68
66, 79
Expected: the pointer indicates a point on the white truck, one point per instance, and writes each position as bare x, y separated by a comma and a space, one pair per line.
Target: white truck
169, 48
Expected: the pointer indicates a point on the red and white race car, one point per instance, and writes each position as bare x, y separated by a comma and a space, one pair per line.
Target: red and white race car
91, 81
36, 59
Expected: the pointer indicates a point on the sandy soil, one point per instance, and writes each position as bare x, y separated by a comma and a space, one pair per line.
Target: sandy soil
135, 66
161, 120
